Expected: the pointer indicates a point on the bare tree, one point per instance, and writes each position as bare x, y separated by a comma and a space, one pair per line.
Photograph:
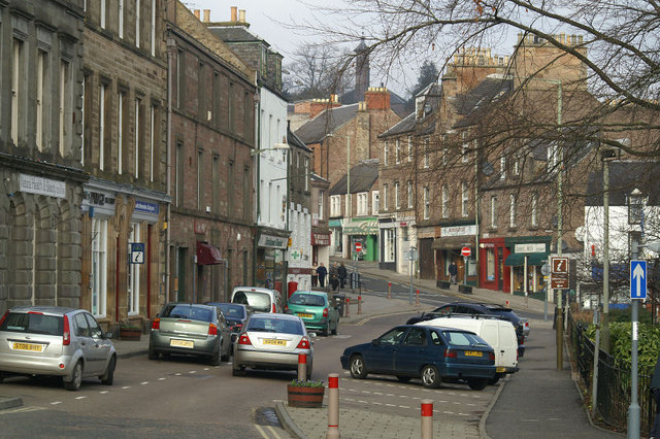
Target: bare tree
316, 72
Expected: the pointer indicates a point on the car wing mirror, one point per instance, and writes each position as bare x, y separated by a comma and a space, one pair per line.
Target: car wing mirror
375, 342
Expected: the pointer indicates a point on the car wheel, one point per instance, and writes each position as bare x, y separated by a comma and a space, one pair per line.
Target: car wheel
326, 330
109, 375
238, 372
495, 379
76, 378
358, 369
430, 377
153, 355
477, 383
334, 330
215, 358
402, 378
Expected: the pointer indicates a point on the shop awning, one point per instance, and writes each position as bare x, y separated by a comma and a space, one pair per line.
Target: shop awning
361, 228
208, 254
453, 243
518, 259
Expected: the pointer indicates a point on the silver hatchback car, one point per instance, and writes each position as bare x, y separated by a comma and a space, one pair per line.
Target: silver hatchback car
56, 341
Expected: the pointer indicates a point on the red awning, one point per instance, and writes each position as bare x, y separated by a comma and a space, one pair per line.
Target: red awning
208, 254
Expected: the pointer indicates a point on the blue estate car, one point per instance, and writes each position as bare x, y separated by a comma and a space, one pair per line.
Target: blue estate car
426, 352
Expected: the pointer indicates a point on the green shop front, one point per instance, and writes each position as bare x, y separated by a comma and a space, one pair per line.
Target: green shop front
527, 254
364, 231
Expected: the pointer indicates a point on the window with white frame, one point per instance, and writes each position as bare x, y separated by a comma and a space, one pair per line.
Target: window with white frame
535, 218
427, 203
389, 245
153, 27
102, 115
98, 276
385, 197
410, 194
102, 18
120, 131
465, 148
512, 210
493, 212
397, 152
515, 168
363, 203
396, 196
42, 92
138, 5
553, 157
152, 142
120, 31
503, 167
138, 136
306, 176
321, 211
134, 275
410, 148
427, 159
335, 205
66, 97
445, 155
375, 202
465, 198
445, 201
18, 92
386, 153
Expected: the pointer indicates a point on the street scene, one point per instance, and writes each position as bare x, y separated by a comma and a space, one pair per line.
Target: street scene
358, 219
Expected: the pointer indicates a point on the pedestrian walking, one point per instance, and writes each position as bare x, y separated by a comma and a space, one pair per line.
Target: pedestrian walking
334, 276
655, 391
342, 275
322, 272
453, 271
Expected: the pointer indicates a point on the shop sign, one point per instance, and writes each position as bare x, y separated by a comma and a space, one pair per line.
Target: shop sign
320, 239
42, 186
273, 241
143, 206
458, 231
529, 248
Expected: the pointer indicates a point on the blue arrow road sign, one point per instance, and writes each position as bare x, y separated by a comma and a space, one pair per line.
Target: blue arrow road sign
638, 279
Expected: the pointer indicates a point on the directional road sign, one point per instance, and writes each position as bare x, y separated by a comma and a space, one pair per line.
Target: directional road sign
638, 279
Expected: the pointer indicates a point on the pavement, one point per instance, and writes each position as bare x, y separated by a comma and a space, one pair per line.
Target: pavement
539, 399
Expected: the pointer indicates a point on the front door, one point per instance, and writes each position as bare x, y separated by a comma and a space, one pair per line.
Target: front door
500, 274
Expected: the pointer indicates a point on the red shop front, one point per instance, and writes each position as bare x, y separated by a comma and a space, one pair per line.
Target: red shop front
492, 275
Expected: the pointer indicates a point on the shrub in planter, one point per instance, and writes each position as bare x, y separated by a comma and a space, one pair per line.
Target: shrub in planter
306, 393
129, 332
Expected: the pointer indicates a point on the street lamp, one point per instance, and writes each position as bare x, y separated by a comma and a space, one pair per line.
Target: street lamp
276, 147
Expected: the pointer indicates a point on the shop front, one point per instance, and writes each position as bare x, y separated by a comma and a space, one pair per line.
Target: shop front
492, 275
271, 269
336, 238
448, 249
320, 252
366, 233
526, 256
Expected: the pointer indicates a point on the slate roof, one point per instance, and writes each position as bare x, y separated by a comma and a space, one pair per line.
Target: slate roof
475, 104
624, 177
363, 176
236, 34
410, 123
292, 139
326, 122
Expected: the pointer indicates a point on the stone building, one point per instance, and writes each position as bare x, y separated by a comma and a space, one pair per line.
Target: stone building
212, 136
123, 136
40, 153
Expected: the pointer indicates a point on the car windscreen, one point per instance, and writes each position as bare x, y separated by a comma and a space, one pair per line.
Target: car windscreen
282, 326
232, 311
307, 299
192, 312
457, 338
33, 323
258, 301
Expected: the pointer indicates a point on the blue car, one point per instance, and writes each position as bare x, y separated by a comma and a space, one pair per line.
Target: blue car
426, 352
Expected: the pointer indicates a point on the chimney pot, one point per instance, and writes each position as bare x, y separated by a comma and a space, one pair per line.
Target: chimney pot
197, 13
207, 15
233, 13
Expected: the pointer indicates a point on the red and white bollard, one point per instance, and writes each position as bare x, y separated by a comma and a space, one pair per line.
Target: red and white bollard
360, 304
302, 367
348, 302
427, 419
389, 290
417, 297
333, 406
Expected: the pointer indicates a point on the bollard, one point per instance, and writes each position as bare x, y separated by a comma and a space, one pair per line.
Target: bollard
389, 290
427, 419
417, 297
360, 304
302, 367
348, 302
507, 303
333, 406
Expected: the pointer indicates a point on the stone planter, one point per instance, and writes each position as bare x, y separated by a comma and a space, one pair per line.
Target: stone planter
133, 334
444, 284
465, 289
306, 397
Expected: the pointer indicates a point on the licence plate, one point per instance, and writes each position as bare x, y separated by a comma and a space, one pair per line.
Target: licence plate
274, 342
29, 347
500, 370
305, 316
474, 354
182, 344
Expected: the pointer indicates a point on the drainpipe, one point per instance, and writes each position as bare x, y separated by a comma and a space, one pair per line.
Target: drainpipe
171, 45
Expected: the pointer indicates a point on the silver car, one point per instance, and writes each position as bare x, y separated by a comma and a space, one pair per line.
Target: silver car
56, 341
190, 329
272, 341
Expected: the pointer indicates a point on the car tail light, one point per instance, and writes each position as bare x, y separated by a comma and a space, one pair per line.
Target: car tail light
3, 317
491, 356
156, 324
450, 354
274, 308
66, 335
304, 343
325, 312
244, 340
213, 330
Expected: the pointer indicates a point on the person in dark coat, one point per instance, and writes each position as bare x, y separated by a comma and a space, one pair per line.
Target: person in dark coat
342, 275
322, 272
453, 271
334, 277
655, 391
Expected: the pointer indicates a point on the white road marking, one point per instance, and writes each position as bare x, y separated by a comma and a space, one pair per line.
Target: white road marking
193, 371
126, 387
56, 402
81, 397
161, 379
144, 382
104, 392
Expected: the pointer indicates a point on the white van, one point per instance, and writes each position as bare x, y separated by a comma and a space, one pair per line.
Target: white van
259, 299
500, 334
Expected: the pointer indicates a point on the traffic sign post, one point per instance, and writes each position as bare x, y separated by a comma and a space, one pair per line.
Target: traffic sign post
466, 252
638, 280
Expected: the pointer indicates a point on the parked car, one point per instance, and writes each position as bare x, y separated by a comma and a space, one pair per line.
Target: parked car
55, 341
315, 311
190, 329
499, 334
235, 314
473, 308
259, 299
272, 341
426, 352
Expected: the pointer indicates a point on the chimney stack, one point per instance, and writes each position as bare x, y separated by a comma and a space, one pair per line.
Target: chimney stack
233, 14
207, 15
197, 13
241, 16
